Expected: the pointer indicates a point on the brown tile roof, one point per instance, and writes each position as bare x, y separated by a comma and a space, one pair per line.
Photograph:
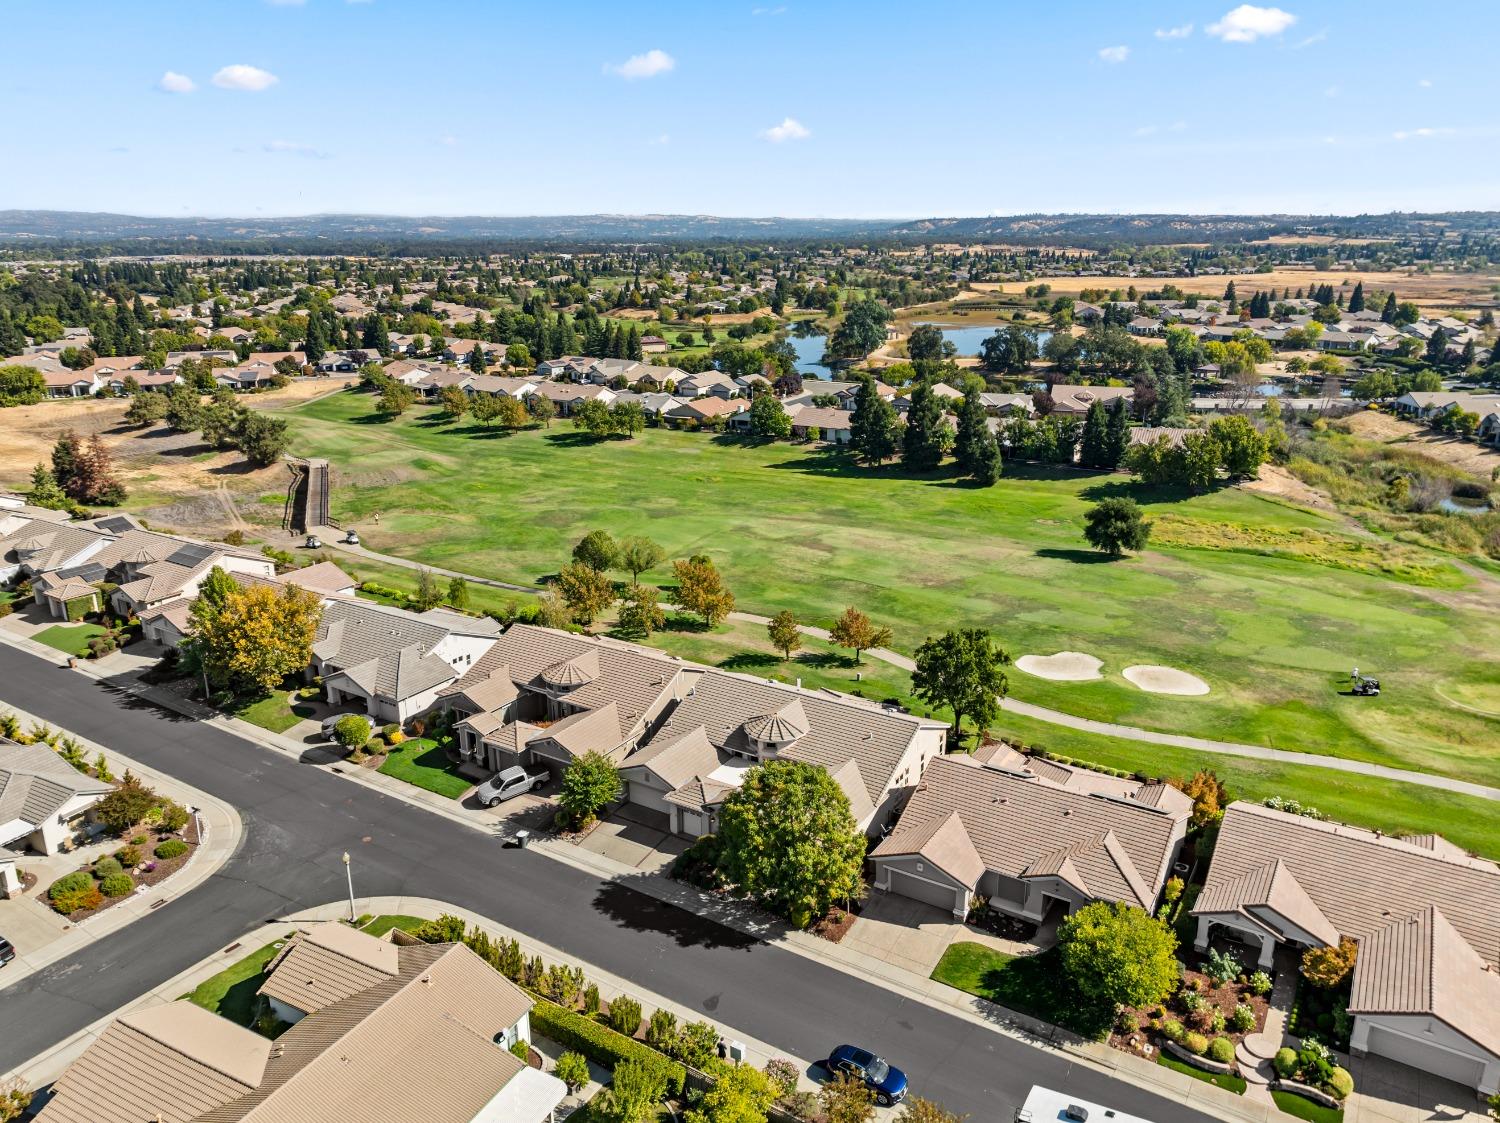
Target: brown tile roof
1268, 892
942, 841
597, 731
1420, 964
326, 964
320, 577
171, 1062
35, 783
1020, 826
1359, 880
677, 759
840, 728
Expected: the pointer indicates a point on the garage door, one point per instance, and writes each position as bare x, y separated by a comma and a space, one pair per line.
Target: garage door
943, 896
1426, 1056
643, 796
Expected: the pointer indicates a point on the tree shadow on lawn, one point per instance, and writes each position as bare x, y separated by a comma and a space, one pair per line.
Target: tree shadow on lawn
574, 438
630, 908
749, 661
1143, 493
1081, 557
373, 418
241, 467
845, 467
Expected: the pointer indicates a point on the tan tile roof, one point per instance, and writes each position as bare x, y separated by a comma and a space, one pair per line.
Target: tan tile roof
1420, 964
172, 1062
489, 693
678, 759
1269, 891
1020, 826
1358, 879
942, 841
320, 577
840, 728
326, 964
587, 731
35, 783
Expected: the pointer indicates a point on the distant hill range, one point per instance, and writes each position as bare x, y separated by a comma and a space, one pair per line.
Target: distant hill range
345, 233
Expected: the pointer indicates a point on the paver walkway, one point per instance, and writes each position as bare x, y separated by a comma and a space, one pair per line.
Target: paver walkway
1050, 716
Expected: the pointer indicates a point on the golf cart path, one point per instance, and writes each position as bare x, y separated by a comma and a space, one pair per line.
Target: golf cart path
1038, 713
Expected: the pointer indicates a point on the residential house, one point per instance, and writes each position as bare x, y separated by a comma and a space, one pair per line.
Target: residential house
1425, 914
43, 800
714, 382
1070, 400
460, 350
833, 425
151, 569
1422, 405
566, 395
729, 722
998, 405
542, 698
653, 344
399, 1029
1031, 835
65, 383
705, 410
390, 662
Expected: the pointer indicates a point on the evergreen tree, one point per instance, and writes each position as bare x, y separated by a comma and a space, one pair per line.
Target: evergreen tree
377, 336
1117, 438
1357, 298
67, 460
987, 467
922, 442
1094, 451
1388, 313
972, 432
1234, 304
872, 426
477, 361
316, 344
633, 344
45, 491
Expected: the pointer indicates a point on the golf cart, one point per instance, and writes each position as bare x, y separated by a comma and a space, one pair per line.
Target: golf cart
1364, 686
314, 542
351, 539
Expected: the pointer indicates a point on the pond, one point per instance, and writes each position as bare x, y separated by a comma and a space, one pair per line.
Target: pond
1458, 506
809, 348
969, 340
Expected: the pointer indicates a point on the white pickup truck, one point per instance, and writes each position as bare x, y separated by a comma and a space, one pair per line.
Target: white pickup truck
508, 784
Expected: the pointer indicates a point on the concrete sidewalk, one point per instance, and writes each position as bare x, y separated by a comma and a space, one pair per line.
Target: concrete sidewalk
42, 937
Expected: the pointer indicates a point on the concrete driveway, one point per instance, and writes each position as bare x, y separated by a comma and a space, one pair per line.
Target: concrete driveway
1388, 1092
636, 837
903, 932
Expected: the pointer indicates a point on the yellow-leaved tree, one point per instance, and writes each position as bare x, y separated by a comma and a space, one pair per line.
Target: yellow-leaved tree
249, 639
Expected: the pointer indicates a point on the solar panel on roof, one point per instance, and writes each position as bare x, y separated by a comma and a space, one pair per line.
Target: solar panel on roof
115, 524
192, 554
89, 571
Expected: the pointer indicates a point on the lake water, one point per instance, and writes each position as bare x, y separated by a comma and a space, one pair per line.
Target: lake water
1464, 506
969, 340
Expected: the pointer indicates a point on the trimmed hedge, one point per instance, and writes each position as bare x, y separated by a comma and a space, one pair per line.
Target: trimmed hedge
172, 848
601, 1044
1221, 1049
74, 882
117, 885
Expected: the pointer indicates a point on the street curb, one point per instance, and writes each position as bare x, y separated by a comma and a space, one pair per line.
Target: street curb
220, 833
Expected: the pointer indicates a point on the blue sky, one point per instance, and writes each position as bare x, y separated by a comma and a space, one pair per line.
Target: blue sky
821, 107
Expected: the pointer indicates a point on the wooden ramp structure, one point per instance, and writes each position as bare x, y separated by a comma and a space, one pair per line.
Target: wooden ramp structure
306, 496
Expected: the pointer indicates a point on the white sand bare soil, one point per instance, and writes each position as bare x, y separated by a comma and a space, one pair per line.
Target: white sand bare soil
1164, 680
1065, 666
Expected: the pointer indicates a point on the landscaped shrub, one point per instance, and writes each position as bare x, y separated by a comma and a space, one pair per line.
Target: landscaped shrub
390, 731
1284, 1062
1221, 965
394, 739
172, 848
127, 805
174, 816
70, 883
520, 1050
573, 1070
600, 1044
624, 1016
1260, 983
107, 867
128, 856
1340, 1083
696, 1044
1195, 1043
783, 1075
661, 1033
1244, 1018
116, 885
72, 900
1172, 1030
1216, 1021
591, 1000
1221, 1049
351, 731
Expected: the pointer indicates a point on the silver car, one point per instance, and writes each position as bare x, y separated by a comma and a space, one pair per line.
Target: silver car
508, 784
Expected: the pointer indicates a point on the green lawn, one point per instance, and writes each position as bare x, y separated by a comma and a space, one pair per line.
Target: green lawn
799, 529
1304, 1108
231, 993
1033, 984
274, 712
1228, 1081
421, 762
72, 639
380, 925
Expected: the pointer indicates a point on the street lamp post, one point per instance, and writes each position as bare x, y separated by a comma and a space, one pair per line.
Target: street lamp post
349, 877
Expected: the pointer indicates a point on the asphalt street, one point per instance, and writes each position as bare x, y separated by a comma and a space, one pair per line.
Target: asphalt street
299, 820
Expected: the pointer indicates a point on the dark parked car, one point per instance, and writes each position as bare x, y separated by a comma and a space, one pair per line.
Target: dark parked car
885, 1080
7, 951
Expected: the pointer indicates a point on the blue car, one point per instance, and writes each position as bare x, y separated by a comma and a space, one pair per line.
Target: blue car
885, 1080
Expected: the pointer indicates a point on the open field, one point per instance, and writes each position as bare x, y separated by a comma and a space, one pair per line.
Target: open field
1427, 290
1274, 636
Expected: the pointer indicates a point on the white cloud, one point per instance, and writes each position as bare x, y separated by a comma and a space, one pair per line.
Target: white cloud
1425, 133
1114, 54
1316, 37
292, 148
1247, 23
789, 129
1174, 32
780, 10
450, 140
1333, 91
1152, 130
648, 65
659, 140
1425, 83
173, 83
242, 77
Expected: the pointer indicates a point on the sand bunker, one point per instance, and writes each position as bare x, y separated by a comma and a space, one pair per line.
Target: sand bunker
1164, 680
1065, 666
